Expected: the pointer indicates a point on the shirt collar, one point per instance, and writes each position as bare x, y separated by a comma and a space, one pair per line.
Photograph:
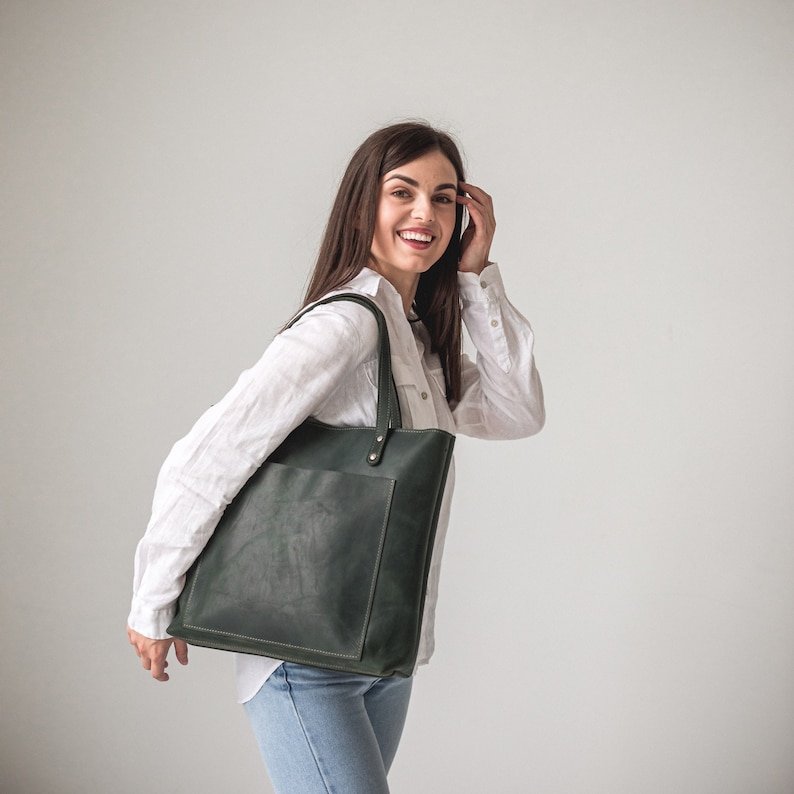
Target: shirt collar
368, 281
371, 283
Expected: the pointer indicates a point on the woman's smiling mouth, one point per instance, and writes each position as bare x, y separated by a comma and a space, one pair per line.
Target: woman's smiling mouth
415, 238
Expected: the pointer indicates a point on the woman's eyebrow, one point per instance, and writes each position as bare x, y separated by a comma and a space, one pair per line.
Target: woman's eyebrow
414, 183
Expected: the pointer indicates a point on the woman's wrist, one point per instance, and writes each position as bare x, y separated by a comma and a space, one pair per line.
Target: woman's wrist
476, 270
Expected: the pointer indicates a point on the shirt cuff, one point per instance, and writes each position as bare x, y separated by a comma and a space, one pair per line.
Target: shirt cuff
485, 287
150, 623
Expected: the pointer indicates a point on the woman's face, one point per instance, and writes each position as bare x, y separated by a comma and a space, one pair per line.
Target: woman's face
415, 218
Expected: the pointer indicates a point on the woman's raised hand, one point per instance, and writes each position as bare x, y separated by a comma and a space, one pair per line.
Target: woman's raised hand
475, 245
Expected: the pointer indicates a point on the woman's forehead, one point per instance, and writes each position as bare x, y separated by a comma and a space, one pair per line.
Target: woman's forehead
433, 166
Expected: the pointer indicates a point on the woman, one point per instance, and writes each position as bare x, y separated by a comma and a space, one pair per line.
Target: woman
394, 234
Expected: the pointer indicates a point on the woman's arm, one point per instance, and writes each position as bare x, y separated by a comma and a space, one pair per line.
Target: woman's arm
502, 396
204, 471
501, 393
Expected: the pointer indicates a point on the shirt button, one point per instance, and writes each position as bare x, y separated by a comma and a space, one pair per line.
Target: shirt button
483, 284
494, 323
424, 395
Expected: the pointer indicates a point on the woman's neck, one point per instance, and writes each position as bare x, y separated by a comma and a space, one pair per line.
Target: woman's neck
404, 283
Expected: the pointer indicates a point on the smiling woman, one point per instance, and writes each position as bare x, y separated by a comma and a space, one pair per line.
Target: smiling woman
395, 237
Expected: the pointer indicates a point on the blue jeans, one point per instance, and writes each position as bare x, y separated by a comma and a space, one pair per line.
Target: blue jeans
323, 732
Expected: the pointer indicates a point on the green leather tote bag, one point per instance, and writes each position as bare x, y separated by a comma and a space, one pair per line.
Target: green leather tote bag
323, 556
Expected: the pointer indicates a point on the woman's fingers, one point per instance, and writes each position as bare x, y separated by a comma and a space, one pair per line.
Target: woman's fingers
476, 192
153, 653
479, 204
180, 649
476, 240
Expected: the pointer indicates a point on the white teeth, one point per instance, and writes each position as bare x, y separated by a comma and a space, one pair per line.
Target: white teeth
421, 238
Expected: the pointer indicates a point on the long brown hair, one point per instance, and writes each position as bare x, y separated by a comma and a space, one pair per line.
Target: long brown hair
346, 244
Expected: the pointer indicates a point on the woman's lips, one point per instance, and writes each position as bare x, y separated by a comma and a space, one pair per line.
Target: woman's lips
416, 238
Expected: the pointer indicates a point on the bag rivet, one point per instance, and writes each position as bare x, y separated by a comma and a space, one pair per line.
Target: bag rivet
372, 456
379, 439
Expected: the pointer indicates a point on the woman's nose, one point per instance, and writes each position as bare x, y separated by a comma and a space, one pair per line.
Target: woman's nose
423, 208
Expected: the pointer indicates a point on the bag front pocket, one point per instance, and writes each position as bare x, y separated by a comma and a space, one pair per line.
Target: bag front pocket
303, 563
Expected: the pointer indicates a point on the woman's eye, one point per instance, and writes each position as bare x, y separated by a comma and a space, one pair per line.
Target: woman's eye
443, 199
400, 193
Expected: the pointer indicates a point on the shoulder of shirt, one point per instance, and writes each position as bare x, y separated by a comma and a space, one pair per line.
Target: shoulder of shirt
355, 321
371, 285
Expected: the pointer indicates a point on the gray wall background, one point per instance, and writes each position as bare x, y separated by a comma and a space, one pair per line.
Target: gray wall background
617, 606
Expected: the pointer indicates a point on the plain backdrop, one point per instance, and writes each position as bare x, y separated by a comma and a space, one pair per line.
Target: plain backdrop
617, 606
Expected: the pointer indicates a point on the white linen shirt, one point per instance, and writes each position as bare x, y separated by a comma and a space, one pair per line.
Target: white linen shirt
325, 366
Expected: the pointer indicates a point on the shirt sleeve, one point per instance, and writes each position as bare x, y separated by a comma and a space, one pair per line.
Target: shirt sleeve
502, 396
204, 471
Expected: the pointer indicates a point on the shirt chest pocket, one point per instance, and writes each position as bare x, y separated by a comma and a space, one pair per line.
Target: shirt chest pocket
416, 387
